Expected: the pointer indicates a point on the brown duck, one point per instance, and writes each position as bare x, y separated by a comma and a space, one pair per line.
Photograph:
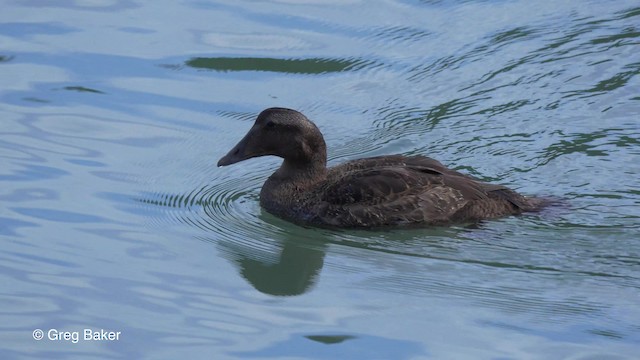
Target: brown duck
393, 190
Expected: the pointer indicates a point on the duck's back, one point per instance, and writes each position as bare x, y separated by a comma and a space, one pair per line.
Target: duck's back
399, 190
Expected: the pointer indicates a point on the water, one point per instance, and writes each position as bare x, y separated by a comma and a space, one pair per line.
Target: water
113, 215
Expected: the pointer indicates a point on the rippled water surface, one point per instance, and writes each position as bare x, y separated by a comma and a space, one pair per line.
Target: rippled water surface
113, 215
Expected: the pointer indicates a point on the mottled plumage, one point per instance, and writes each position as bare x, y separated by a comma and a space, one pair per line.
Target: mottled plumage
393, 190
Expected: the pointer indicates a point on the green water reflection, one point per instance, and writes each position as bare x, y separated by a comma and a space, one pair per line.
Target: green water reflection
290, 66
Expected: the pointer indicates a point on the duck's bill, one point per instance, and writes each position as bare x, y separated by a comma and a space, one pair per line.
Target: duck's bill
231, 158
236, 154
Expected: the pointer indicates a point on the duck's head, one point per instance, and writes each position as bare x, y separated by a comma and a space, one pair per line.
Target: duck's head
281, 132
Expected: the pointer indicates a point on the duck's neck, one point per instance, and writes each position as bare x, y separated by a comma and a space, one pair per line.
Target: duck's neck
284, 193
309, 172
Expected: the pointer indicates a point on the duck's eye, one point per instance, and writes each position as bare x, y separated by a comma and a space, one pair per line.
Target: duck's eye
269, 125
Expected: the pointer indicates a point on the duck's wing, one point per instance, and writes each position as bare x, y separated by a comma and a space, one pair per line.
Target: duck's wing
411, 192
416, 162
473, 188
371, 179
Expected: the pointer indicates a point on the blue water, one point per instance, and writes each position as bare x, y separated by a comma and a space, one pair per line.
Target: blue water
114, 217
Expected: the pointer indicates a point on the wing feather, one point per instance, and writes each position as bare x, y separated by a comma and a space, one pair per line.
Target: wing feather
403, 190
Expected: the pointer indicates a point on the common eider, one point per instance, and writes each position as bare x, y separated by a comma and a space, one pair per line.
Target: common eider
382, 191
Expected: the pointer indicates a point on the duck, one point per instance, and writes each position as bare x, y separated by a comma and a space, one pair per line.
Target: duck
368, 193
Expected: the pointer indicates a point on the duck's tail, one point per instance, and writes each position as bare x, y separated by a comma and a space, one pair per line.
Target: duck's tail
539, 203
523, 203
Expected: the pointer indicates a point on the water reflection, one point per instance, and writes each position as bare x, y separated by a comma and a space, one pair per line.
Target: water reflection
82, 89
290, 66
293, 270
326, 346
330, 339
282, 261
106, 6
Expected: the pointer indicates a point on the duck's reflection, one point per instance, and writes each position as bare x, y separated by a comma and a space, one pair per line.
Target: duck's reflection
294, 271
300, 252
